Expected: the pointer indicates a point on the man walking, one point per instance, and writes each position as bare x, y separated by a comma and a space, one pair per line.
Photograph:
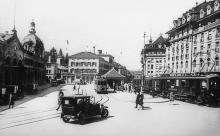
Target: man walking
137, 99
11, 100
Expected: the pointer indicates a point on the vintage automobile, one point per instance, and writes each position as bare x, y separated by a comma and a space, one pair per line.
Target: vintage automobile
81, 107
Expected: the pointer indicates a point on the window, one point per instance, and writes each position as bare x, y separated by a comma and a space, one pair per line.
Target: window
195, 40
202, 37
209, 35
217, 47
152, 66
202, 13
216, 6
218, 32
194, 63
209, 9
208, 61
217, 61
187, 64
177, 65
201, 62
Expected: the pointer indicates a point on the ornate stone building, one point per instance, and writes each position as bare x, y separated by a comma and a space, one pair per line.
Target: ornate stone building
21, 63
194, 39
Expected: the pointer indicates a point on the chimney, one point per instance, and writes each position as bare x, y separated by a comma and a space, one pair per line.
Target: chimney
196, 3
100, 51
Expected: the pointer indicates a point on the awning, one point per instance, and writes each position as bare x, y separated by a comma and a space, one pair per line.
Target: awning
184, 77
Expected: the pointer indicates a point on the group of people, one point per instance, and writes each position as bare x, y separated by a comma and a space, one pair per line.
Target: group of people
128, 87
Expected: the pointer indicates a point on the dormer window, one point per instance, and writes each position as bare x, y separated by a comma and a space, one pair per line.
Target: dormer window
188, 17
183, 20
216, 7
175, 23
202, 13
209, 9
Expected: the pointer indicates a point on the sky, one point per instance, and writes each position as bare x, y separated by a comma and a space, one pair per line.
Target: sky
114, 26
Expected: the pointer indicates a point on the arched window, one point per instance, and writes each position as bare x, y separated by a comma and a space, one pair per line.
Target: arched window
202, 13
216, 6
209, 9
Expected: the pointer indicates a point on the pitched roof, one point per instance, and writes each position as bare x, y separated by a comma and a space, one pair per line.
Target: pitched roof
113, 74
159, 40
85, 55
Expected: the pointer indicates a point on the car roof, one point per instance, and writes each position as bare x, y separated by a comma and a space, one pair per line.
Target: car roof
76, 96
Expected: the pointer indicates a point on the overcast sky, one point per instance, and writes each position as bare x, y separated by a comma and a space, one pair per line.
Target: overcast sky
114, 26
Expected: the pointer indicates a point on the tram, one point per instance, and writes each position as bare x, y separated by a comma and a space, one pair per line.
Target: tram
100, 85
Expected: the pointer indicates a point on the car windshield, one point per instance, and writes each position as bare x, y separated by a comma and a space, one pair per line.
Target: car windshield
101, 82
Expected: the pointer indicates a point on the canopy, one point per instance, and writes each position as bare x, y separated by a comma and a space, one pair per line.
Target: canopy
113, 74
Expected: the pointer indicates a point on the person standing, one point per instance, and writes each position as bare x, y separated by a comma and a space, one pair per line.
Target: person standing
171, 97
141, 100
137, 99
60, 97
11, 100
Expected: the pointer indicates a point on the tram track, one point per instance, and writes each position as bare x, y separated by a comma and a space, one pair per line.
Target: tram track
29, 121
9, 116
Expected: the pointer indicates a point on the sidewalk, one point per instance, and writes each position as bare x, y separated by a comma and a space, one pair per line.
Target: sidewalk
44, 91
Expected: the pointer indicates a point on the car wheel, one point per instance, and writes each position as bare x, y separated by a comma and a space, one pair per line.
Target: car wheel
65, 119
82, 118
104, 113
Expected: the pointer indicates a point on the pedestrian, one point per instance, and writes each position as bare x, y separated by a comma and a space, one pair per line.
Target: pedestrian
129, 88
137, 99
60, 98
11, 100
171, 97
114, 87
141, 100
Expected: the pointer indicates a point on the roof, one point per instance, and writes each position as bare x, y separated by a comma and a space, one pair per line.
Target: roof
33, 38
85, 55
160, 40
76, 96
113, 74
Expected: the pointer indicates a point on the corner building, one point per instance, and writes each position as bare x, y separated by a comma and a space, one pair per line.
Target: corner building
194, 41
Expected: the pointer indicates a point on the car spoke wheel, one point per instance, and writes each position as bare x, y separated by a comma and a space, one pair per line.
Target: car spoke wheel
104, 113
65, 119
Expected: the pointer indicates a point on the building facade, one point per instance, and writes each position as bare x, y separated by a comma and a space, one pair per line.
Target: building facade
86, 66
194, 41
153, 57
22, 63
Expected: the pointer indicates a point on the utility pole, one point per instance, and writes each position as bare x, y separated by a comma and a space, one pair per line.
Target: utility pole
143, 65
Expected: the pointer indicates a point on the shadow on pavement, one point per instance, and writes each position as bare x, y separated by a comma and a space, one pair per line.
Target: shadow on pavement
91, 120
